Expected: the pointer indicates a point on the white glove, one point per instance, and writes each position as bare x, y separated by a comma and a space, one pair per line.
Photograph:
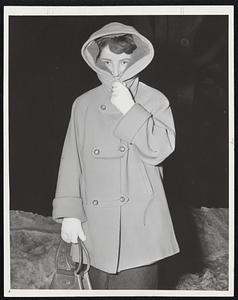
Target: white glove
72, 229
121, 97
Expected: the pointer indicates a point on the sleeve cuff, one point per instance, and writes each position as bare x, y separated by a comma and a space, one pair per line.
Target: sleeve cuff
131, 122
67, 207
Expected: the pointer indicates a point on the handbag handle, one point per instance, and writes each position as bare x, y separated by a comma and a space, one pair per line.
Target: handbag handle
81, 247
68, 259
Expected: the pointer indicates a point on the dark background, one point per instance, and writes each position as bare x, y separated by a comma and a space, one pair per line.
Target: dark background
47, 73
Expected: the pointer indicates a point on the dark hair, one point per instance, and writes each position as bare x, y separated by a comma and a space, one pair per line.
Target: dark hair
117, 44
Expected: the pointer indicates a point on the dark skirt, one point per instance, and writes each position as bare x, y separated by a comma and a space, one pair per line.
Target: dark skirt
145, 277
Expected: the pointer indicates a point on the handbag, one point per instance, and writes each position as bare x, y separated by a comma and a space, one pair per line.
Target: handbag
76, 275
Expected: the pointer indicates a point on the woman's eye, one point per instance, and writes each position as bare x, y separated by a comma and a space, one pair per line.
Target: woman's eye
125, 62
106, 62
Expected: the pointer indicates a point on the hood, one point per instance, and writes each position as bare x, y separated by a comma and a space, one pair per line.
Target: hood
141, 56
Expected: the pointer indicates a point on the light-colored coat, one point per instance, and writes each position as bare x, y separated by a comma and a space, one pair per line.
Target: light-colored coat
110, 174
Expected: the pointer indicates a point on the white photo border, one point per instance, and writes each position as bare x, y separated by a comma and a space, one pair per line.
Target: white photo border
103, 11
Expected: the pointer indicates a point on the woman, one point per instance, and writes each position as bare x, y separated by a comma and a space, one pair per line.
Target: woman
109, 190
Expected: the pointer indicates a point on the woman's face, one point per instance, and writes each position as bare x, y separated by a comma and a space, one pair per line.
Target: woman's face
115, 63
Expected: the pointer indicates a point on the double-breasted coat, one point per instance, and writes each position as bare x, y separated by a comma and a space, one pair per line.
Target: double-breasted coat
110, 174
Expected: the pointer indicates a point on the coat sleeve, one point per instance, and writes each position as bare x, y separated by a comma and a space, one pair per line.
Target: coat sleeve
152, 133
68, 201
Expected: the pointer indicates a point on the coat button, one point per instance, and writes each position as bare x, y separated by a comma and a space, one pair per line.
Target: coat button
95, 202
122, 199
96, 151
103, 107
122, 148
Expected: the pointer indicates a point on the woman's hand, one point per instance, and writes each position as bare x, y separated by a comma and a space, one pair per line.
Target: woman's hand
72, 229
121, 97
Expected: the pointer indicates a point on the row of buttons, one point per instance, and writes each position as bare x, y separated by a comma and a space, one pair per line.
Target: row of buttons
122, 199
97, 151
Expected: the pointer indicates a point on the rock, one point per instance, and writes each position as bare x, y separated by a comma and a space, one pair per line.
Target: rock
34, 241
212, 225
214, 277
32, 258
22, 219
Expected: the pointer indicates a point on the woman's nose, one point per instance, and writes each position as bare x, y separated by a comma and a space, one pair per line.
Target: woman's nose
115, 71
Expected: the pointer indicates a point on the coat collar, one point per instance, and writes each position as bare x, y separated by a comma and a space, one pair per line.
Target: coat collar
132, 84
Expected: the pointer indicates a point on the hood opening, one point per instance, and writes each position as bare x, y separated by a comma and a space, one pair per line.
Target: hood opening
141, 56
141, 51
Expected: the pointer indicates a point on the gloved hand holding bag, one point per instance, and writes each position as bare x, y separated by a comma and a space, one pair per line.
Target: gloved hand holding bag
72, 229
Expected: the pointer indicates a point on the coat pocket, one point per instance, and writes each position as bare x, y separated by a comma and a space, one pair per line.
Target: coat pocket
145, 178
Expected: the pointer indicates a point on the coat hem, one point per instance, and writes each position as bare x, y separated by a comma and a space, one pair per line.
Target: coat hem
149, 262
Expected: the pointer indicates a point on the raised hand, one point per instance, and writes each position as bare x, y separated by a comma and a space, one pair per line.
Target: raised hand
121, 97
